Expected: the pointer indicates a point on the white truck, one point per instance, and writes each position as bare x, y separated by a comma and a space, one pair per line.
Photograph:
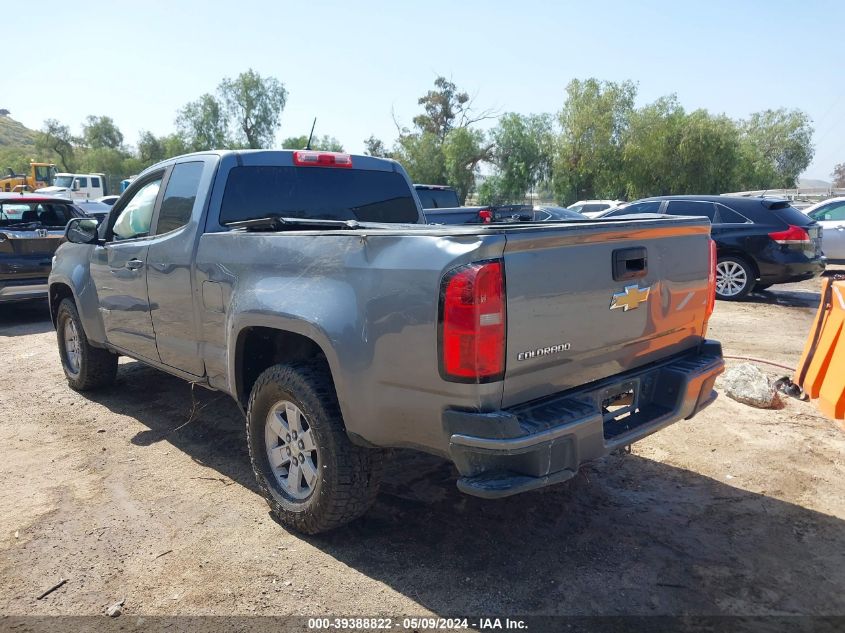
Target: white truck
77, 186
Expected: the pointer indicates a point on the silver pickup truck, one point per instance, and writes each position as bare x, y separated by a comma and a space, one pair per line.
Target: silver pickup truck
308, 287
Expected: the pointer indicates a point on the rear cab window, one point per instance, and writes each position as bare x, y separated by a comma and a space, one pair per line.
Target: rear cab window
437, 198
317, 193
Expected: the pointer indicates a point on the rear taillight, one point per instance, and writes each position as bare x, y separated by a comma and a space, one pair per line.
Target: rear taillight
711, 282
308, 158
486, 216
472, 321
792, 235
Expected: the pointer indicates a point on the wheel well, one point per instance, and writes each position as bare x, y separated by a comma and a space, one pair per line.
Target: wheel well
261, 347
58, 292
744, 257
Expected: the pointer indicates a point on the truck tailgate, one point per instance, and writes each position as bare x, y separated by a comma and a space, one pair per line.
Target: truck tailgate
565, 328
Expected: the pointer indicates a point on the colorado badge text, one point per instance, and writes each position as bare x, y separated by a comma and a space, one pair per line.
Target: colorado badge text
631, 297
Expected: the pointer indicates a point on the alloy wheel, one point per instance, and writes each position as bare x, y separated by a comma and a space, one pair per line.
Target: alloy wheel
731, 278
291, 450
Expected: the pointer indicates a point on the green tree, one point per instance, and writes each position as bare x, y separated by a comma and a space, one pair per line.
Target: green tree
203, 124
325, 143
650, 148
100, 132
422, 156
708, 154
255, 105
777, 145
150, 148
589, 158
838, 175
442, 148
375, 147
522, 154
15, 158
55, 139
463, 148
102, 160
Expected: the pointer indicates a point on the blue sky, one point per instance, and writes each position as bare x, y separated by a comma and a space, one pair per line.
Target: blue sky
350, 63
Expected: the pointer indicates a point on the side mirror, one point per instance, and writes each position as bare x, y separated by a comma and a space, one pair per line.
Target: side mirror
75, 186
81, 231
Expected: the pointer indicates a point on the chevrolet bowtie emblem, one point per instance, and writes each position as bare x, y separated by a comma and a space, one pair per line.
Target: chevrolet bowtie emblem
629, 298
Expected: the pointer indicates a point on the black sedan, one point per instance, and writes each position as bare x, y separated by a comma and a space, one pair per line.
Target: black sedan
31, 229
759, 241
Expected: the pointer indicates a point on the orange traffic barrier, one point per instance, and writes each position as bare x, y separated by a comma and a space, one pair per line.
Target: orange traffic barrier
821, 370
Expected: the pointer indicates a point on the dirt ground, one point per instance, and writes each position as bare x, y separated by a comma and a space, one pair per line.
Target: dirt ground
738, 511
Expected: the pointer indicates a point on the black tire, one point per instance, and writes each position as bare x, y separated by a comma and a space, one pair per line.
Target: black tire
733, 261
96, 367
759, 287
348, 476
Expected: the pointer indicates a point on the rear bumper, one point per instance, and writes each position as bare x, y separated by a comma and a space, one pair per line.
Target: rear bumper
792, 269
23, 290
544, 442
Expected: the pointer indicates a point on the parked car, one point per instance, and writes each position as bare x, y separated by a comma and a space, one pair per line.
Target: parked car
109, 200
437, 196
494, 214
96, 210
759, 241
831, 215
592, 208
31, 228
307, 286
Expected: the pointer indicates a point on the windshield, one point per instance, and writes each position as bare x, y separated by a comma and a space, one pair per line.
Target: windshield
317, 193
63, 181
44, 173
34, 214
438, 198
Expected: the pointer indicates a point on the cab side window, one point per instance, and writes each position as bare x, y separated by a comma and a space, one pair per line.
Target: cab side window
137, 215
179, 197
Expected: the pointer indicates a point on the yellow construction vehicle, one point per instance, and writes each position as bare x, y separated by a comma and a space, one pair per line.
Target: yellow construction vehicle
40, 175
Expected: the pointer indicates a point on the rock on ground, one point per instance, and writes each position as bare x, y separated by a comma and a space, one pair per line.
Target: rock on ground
747, 384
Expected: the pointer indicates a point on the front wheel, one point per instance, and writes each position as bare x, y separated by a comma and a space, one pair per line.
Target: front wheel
85, 366
309, 472
734, 278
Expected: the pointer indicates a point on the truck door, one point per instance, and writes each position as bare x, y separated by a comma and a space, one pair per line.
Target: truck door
170, 275
119, 272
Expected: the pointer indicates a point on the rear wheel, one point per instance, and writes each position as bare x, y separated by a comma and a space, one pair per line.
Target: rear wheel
85, 366
734, 278
308, 470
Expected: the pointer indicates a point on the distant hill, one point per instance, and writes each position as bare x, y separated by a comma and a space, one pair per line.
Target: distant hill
15, 134
811, 183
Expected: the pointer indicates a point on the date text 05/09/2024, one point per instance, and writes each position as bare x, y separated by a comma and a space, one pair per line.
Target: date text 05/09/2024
417, 623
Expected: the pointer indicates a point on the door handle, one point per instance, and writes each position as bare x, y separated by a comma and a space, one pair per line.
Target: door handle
134, 264
630, 263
